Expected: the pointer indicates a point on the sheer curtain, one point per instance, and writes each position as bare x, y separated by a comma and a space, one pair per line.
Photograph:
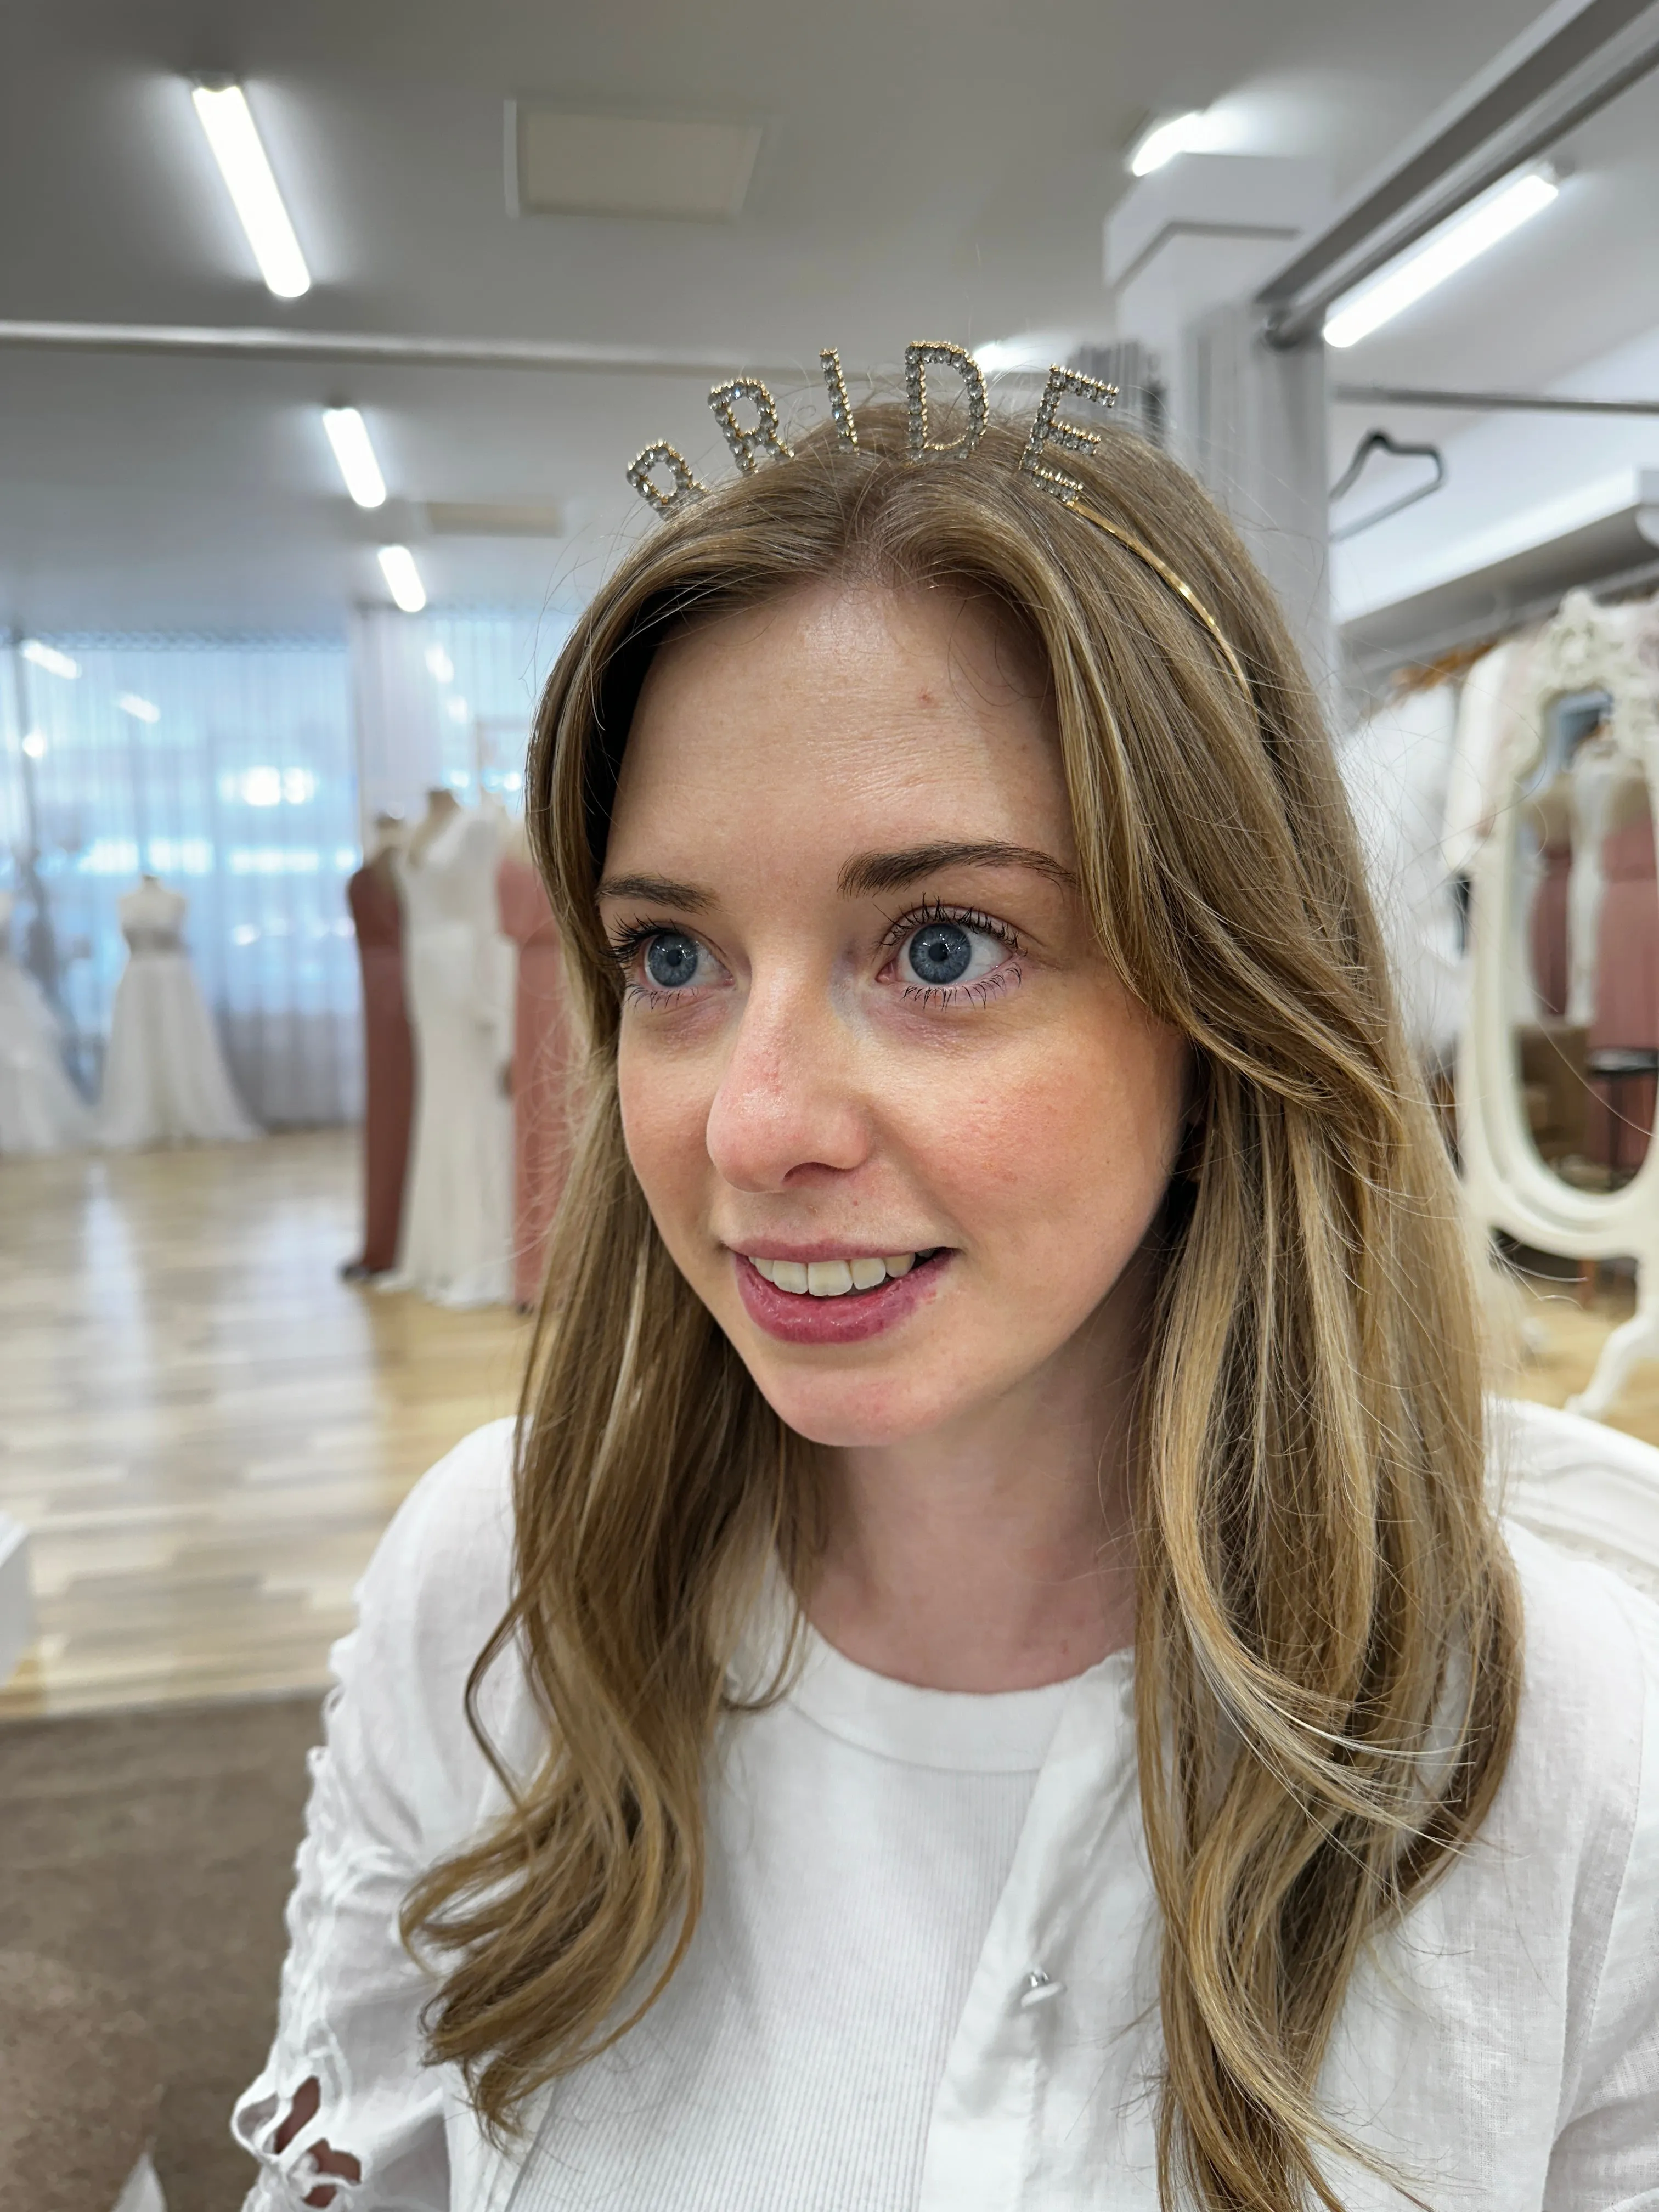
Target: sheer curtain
226, 768
448, 699
239, 771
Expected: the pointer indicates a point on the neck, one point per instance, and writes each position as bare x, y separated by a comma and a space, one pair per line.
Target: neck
996, 1553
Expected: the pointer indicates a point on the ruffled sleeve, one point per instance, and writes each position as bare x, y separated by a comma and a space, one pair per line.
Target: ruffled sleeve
398, 1783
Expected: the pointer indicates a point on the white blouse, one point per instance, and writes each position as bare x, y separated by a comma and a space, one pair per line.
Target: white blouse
926, 1977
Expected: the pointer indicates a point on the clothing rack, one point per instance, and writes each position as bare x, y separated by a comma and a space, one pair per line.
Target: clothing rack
1466, 642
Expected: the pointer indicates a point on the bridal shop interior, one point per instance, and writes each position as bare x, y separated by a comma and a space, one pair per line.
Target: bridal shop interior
328, 336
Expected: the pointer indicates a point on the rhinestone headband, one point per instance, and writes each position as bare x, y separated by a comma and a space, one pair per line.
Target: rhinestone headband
762, 440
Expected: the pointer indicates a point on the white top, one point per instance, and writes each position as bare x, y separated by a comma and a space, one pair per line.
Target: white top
914, 1991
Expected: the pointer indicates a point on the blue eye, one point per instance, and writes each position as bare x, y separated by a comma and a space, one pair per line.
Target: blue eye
671, 960
939, 953
943, 955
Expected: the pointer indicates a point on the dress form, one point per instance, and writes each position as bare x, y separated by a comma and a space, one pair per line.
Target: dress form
165, 1078
377, 915
456, 1240
1595, 769
40, 1111
541, 1049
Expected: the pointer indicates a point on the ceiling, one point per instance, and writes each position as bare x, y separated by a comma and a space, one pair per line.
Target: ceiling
928, 168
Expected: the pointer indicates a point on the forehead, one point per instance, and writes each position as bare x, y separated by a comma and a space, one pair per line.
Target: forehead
841, 717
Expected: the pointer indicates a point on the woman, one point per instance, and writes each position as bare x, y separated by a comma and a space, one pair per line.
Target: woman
1002, 1686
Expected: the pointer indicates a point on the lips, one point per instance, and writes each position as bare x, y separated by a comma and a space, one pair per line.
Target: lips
830, 1315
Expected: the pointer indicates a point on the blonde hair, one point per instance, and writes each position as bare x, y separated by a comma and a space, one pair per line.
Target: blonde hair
1327, 1653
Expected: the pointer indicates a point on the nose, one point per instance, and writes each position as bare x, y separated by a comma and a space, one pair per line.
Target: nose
789, 1107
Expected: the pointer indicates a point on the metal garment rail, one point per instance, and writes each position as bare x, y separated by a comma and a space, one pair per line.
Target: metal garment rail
1486, 403
253, 342
1554, 78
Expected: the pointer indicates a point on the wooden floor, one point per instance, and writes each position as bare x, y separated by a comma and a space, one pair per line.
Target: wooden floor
203, 1428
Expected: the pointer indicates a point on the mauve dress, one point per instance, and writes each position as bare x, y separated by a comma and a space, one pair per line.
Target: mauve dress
541, 1046
1626, 991
377, 914
1549, 930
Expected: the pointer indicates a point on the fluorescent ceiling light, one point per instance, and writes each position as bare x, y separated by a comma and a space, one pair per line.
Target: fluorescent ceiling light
141, 710
403, 578
1446, 251
35, 745
230, 125
49, 658
349, 436
1177, 134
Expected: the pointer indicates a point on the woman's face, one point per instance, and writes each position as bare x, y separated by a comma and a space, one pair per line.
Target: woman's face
896, 1119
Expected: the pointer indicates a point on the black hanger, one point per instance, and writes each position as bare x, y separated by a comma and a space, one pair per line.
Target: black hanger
1380, 442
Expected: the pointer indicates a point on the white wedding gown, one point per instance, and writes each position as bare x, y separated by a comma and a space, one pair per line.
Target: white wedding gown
40, 1111
164, 1078
457, 1228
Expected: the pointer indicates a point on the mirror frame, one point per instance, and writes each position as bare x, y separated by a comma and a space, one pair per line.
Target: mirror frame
1507, 1185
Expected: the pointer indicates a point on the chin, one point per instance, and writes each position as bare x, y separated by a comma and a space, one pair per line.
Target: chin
844, 1412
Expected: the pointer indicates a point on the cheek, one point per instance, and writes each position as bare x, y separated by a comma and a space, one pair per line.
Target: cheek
1062, 1158
664, 1119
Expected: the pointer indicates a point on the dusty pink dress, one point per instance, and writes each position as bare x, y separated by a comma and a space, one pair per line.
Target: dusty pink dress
1627, 992
540, 1055
388, 1062
1549, 930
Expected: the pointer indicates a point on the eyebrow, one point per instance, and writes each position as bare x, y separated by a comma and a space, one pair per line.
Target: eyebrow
869, 874
865, 875
656, 890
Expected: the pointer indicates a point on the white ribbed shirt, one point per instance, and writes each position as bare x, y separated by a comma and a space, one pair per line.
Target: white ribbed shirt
861, 1833
927, 1976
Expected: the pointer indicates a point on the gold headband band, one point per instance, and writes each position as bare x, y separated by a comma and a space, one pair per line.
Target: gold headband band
1049, 433
1182, 590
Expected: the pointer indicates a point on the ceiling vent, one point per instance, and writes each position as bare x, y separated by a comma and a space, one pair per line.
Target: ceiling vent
478, 518
560, 163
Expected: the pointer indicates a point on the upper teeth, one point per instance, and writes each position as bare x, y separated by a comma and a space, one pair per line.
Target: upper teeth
833, 1279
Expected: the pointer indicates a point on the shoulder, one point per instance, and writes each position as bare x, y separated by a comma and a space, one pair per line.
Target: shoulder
1582, 1504
453, 1533
1579, 1805
429, 1602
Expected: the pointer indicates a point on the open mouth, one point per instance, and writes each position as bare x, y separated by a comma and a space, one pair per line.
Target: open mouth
830, 1302
840, 1278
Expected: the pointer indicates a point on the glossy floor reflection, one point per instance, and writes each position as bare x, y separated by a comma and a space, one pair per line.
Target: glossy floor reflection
203, 1428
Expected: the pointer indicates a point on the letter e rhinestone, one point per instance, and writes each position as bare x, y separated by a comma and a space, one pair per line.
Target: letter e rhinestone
1047, 429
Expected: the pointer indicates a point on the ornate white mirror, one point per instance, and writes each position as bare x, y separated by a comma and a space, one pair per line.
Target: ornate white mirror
1558, 1061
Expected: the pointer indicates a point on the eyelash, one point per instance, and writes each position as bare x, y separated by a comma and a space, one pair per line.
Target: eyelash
968, 917
630, 940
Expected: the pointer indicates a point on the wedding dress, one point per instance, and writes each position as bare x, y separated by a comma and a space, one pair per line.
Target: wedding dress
458, 1210
40, 1109
164, 1078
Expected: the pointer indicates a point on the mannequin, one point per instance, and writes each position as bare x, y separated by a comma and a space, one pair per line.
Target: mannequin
1594, 769
1626, 972
1550, 815
455, 1244
164, 1078
540, 1056
377, 915
40, 1111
